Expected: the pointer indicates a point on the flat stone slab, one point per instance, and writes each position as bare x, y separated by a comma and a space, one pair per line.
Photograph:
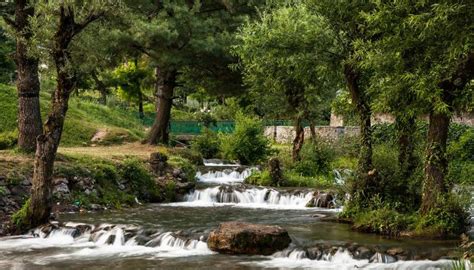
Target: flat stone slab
247, 238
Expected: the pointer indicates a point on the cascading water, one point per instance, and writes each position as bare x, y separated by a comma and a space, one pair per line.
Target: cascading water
225, 176
80, 241
248, 198
343, 259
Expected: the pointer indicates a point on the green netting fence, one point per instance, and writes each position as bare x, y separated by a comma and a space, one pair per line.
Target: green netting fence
193, 127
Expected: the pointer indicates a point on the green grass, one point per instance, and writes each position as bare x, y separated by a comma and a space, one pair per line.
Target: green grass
83, 120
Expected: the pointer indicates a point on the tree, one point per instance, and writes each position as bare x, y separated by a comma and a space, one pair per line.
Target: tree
130, 79
186, 41
428, 46
60, 23
283, 64
28, 85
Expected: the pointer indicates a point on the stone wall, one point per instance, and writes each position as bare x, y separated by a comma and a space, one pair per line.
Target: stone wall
286, 134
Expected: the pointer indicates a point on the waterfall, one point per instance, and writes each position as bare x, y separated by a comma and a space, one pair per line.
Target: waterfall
247, 197
81, 241
343, 259
225, 176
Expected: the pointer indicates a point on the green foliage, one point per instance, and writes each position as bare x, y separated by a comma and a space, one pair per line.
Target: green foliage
185, 165
20, 217
401, 192
8, 103
463, 148
137, 176
315, 159
247, 144
461, 172
259, 178
449, 219
293, 179
7, 65
383, 220
170, 191
8, 139
207, 144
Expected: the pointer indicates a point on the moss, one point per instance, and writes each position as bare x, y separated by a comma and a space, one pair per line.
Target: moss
185, 165
19, 219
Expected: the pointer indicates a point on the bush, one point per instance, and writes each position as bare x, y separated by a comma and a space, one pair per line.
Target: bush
134, 172
259, 178
384, 221
8, 139
461, 172
316, 158
403, 193
463, 147
247, 143
207, 144
448, 219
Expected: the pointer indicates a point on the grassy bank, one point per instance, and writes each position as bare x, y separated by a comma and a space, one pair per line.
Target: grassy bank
84, 119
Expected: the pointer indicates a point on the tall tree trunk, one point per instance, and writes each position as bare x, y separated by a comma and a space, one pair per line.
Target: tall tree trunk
406, 128
39, 209
100, 87
366, 186
28, 85
165, 84
359, 98
436, 163
140, 105
299, 139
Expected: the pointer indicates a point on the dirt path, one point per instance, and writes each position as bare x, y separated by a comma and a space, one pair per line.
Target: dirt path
112, 152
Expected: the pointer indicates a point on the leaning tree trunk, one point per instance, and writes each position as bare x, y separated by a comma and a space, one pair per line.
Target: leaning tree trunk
359, 98
165, 84
366, 185
299, 139
436, 163
312, 130
28, 85
406, 128
39, 209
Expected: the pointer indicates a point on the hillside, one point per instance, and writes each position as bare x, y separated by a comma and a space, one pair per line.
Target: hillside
84, 119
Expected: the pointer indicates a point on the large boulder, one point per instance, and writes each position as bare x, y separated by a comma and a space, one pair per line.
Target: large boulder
246, 238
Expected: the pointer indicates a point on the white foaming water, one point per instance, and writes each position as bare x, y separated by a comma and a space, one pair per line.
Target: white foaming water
227, 176
103, 242
343, 260
218, 163
247, 198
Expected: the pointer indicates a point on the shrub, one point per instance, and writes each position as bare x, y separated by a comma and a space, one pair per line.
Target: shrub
463, 147
8, 139
384, 221
461, 172
247, 143
207, 144
316, 158
402, 192
448, 219
259, 178
134, 172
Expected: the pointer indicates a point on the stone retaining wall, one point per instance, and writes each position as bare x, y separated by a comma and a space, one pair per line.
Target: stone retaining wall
286, 134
